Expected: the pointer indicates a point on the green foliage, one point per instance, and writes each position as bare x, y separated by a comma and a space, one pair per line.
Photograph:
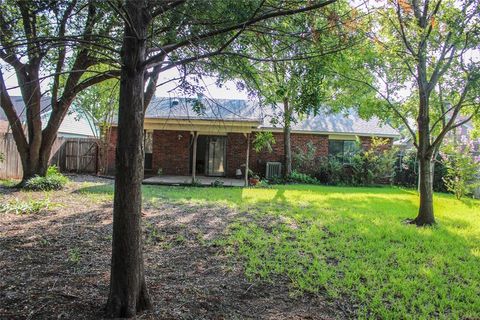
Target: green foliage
463, 170
298, 177
263, 141
330, 170
350, 242
98, 104
304, 160
375, 165
406, 172
74, 255
53, 180
2, 157
20, 207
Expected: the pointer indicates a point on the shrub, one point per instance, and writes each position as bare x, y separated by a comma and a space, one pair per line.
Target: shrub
305, 160
299, 177
376, 165
406, 172
18, 206
329, 170
53, 180
462, 170
217, 183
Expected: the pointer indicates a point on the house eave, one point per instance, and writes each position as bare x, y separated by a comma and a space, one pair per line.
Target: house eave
335, 133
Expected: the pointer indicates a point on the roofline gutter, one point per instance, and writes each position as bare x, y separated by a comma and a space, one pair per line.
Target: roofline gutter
363, 134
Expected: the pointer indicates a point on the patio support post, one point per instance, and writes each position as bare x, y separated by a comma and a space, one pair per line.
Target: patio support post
246, 163
194, 157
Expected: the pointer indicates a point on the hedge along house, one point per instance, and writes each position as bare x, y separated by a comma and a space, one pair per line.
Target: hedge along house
205, 137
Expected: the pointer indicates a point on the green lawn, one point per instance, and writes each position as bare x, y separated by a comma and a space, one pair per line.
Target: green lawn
351, 244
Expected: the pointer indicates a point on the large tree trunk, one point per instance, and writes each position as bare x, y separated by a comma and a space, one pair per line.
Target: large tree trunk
425, 183
425, 211
286, 138
128, 291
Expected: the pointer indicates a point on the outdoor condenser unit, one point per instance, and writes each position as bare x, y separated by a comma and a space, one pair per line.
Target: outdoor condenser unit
274, 170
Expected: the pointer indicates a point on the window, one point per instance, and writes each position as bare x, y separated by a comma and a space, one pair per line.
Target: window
343, 150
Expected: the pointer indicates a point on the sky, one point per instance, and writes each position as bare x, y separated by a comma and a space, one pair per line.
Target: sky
228, 91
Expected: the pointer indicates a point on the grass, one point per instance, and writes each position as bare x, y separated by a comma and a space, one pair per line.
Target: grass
350, 243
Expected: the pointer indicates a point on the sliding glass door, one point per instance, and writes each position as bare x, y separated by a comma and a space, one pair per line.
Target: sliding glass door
216, 154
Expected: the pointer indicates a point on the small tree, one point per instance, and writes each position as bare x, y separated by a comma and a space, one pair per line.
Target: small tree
264, 140
59, 41
426, 75
98, 105
463, 169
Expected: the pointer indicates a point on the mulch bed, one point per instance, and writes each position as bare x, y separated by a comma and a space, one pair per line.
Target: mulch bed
55, 265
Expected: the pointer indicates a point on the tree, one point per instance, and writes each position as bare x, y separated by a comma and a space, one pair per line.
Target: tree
427, 75
98, 104
290, 73
181, 32
56, 41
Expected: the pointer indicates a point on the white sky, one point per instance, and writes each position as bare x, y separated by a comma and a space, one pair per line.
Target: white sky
228, 91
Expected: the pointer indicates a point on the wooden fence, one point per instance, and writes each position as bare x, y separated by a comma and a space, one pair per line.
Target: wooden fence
78, 155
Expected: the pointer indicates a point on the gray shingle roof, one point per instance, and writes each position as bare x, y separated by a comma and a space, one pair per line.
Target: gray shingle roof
241, 110
72, 125
350, 123
203, 108
19, 106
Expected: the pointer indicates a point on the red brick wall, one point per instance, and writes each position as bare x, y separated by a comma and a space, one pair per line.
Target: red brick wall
298, 141
171, 152
236, 152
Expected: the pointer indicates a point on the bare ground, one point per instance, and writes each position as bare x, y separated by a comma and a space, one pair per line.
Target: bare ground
55, 265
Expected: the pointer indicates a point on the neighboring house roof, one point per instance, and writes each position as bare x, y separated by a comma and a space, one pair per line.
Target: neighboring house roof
19, 106
243, 110
72, 125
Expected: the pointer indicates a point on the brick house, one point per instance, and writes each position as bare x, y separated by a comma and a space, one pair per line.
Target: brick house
214, 137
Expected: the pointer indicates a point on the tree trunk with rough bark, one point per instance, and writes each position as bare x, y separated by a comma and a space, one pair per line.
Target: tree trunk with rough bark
128, 290
425, 212
426, 167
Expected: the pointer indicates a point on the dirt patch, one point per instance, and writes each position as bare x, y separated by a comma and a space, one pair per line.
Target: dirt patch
55, 265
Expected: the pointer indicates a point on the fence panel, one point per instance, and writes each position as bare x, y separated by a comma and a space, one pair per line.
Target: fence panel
11, 166
69, 154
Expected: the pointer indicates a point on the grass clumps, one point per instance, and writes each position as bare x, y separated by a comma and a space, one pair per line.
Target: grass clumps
20, 207
53, 180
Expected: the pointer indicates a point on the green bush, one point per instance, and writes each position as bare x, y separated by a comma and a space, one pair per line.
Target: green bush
329, 170
406, 172
299, 177
53, 180
375, 165
462, 168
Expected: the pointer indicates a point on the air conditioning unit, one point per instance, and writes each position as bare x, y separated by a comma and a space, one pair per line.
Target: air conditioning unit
274, 170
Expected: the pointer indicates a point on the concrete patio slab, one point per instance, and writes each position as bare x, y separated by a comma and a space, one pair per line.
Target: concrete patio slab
187, 180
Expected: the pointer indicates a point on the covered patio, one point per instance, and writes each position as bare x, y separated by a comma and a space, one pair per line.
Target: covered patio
171, 180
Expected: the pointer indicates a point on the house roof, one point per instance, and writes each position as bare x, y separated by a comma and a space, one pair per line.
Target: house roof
72, 124
202, 109
19, 106
243, 110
